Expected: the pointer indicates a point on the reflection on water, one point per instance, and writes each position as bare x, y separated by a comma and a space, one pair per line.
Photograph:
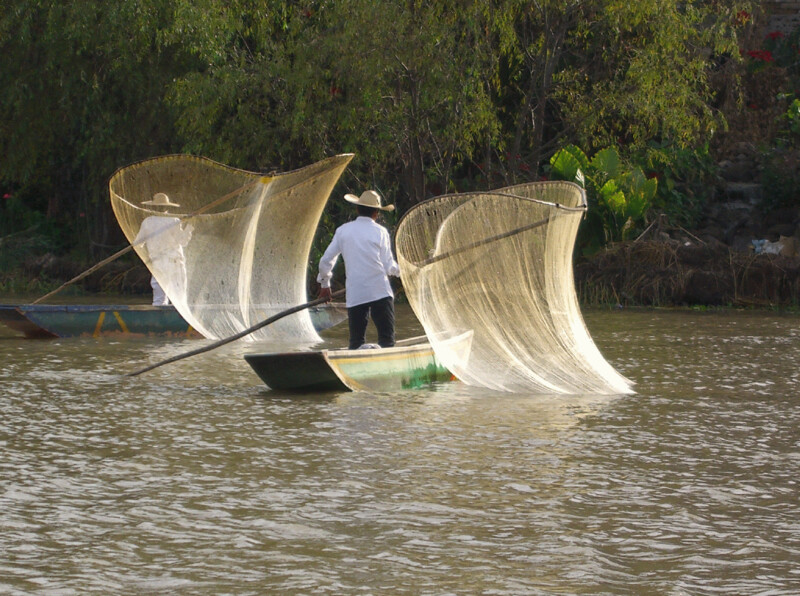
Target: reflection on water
195, 479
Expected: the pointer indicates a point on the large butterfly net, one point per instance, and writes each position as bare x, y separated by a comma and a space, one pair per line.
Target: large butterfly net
499, 264
235, 250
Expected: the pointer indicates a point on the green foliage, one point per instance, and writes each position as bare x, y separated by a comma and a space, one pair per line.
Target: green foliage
790, 131
780, 175
17, 215
387, 81
81, 94
780, 178
687, 179
433, 97
619, 195
607, 71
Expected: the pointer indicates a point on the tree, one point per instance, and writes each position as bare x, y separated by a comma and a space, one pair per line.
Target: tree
81, 93
389, 81
600, 72
415, 97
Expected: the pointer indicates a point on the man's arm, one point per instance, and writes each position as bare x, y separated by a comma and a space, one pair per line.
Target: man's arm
326, 265
387, 258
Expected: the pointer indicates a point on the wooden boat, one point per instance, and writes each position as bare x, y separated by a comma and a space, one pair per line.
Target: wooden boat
95, 320
409, 364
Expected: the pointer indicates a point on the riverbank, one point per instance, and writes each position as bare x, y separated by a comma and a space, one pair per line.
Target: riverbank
687, 273
740, 255
737, 257
660, 271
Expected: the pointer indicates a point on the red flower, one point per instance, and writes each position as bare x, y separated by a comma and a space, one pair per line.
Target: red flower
763, 55
752, 106
7, 195
742, 17
774, 35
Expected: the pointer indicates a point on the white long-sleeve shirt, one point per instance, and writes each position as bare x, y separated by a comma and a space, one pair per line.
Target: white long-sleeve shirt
367, 252
164, 237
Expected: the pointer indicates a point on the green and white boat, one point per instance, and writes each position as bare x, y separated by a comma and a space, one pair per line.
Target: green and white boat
409, 364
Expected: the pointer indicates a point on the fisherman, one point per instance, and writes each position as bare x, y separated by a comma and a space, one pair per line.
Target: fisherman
164, 239
365, 246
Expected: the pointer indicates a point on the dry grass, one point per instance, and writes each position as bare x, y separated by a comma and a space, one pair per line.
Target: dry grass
671, 273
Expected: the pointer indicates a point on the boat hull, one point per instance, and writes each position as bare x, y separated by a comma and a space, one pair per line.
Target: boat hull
38, 321
383, 369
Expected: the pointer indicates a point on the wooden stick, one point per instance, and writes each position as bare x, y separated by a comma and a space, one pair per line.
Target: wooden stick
236, 336
129, 248
472, 245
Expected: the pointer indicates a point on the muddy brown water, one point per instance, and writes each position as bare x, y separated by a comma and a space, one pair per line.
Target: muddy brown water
196, 479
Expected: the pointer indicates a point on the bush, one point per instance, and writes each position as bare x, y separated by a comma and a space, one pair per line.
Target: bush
619, 194
687, 180
780, 176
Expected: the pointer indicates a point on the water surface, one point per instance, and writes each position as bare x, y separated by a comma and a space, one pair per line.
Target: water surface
196, 479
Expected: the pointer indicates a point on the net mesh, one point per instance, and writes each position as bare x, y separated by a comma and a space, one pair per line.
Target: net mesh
500, 264
236, 249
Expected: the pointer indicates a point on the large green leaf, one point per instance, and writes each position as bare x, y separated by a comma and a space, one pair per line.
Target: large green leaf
607, 162
613, 197
568, 162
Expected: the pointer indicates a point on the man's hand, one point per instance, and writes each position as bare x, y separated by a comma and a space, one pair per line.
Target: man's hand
325, 293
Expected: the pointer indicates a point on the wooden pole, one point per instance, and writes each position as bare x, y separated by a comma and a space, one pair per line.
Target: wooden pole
236, 336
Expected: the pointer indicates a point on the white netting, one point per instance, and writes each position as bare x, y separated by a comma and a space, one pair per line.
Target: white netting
499, 263
236, 250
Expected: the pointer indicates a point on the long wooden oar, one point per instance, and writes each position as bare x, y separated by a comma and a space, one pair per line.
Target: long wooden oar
236, 336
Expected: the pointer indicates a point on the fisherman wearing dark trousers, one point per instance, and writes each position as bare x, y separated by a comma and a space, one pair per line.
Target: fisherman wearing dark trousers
367, 252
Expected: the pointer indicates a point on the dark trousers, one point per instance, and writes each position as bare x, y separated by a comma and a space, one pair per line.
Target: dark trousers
382, 312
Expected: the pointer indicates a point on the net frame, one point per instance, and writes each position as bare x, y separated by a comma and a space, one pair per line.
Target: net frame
251, 234
499, 263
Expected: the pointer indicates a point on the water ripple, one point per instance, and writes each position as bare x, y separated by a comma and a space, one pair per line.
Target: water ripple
194, 479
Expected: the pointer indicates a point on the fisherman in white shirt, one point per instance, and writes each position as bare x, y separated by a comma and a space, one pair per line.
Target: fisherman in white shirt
365, 246
164, 237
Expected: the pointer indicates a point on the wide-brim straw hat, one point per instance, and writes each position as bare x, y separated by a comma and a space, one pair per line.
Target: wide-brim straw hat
368, 198
160, 200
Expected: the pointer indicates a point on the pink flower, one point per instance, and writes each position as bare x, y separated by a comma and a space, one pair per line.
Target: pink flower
7, 195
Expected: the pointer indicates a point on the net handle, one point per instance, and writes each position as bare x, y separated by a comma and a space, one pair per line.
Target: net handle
539, 201
478, 243
236, 336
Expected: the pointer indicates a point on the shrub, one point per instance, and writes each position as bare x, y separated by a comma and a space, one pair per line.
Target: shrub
619, 194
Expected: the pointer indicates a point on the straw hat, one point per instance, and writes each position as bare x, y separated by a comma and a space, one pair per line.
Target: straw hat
160, 200
368, 198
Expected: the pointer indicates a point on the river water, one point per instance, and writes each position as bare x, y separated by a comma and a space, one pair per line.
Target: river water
195, 479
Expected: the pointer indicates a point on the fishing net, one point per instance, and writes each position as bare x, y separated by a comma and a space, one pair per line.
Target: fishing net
235, 251
499, 264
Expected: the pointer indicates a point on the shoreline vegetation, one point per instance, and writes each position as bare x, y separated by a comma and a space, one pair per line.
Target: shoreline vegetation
647, 272
681, 121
